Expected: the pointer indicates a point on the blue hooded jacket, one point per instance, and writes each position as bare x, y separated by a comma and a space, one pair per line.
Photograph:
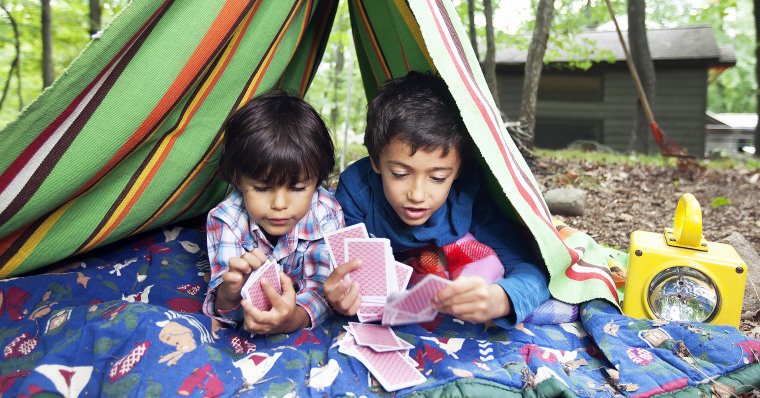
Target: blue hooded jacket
467, 209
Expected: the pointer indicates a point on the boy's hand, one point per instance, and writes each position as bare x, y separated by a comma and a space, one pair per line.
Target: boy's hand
470, 298
284, 317
343, 293
228, 295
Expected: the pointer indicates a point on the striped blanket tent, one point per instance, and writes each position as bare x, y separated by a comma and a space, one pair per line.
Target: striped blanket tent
102, 284
128, 138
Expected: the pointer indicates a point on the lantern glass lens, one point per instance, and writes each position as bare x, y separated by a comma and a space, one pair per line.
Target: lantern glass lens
683, 294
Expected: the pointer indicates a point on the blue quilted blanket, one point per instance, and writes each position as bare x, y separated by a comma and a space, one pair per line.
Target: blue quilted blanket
125, 321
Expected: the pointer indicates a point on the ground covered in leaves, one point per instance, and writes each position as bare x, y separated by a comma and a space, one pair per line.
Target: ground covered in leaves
623, 198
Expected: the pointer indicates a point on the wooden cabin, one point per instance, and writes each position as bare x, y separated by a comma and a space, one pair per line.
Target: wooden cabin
600, 103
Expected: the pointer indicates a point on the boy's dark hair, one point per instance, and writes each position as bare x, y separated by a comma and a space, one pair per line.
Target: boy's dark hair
276, 138
418, 109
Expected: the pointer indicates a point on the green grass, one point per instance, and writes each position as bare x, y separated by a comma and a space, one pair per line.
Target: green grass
734, 161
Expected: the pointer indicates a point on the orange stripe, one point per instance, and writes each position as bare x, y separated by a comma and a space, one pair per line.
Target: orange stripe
205, 49
312, 54
181, 189
259, 75
371, 35
15, 261
155, 164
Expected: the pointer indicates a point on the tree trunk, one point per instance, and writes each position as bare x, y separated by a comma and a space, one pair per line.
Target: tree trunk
48, 75
16, 59
489, 65
473, 31
756, 6
642, 60
533, 66
95, 17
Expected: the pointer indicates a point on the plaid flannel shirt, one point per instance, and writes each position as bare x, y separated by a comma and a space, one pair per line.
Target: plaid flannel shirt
302, 252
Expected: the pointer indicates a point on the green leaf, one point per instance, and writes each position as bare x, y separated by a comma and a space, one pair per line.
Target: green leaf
721, 201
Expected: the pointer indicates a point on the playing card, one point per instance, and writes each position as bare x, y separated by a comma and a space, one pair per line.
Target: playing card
380, 338
370, 312
403, 274
391, 369
414, 305
335, 241
252, 289
419, 297
375, 273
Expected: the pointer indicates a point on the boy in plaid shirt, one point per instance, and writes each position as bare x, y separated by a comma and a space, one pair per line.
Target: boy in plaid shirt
277, 152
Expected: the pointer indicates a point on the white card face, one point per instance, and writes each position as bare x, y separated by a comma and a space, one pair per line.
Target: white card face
375, 273
252, 288
335, 241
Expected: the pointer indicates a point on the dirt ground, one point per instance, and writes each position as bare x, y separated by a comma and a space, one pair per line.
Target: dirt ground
623, 198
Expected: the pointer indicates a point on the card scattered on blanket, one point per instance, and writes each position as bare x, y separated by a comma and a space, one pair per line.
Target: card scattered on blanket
252, 289
335, 241
414, 305
394, 369
379, 338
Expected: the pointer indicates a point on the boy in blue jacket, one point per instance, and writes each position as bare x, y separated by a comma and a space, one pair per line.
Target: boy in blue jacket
418, 188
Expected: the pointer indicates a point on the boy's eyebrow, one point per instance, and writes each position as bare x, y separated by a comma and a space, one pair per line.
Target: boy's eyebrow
440, 168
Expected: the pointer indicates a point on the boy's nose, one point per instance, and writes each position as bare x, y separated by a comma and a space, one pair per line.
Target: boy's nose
279, 199
417, 192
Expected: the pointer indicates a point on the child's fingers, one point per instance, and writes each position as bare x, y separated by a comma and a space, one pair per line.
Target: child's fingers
254, 258
334, 286
255, 318
239, 265
349, 303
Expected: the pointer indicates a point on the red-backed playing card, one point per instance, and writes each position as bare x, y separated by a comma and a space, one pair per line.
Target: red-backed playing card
419, 297
380, 338
252, 288
375, 273
335, 241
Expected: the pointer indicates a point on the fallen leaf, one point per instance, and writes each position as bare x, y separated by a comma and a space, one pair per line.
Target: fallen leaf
629, 387
723, 390
681, 350
576, 364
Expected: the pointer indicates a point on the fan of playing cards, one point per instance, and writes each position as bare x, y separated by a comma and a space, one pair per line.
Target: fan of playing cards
383, 280
383, 353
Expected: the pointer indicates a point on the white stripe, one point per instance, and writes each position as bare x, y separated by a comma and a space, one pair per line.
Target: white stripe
23, 177
589, 270
537, 203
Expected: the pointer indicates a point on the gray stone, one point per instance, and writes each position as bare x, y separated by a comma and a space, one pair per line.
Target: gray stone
752, 259
566, 201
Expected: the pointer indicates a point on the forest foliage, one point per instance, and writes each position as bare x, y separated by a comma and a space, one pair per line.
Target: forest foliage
733, 91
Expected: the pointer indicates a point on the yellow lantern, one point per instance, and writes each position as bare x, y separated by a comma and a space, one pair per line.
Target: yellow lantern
679, 276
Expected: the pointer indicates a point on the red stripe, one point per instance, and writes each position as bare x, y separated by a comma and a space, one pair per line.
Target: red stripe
497, 136
582, 276
18, 164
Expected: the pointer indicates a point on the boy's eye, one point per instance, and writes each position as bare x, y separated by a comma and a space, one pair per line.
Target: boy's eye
438, 179
298, 189
398, 175
260, 188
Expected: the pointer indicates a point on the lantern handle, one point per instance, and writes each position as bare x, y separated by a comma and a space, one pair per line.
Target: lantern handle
687, 228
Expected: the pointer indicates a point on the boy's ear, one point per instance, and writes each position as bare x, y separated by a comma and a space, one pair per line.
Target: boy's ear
374, 166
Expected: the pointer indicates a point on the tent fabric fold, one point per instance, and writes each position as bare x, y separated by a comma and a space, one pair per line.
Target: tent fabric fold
128, 138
